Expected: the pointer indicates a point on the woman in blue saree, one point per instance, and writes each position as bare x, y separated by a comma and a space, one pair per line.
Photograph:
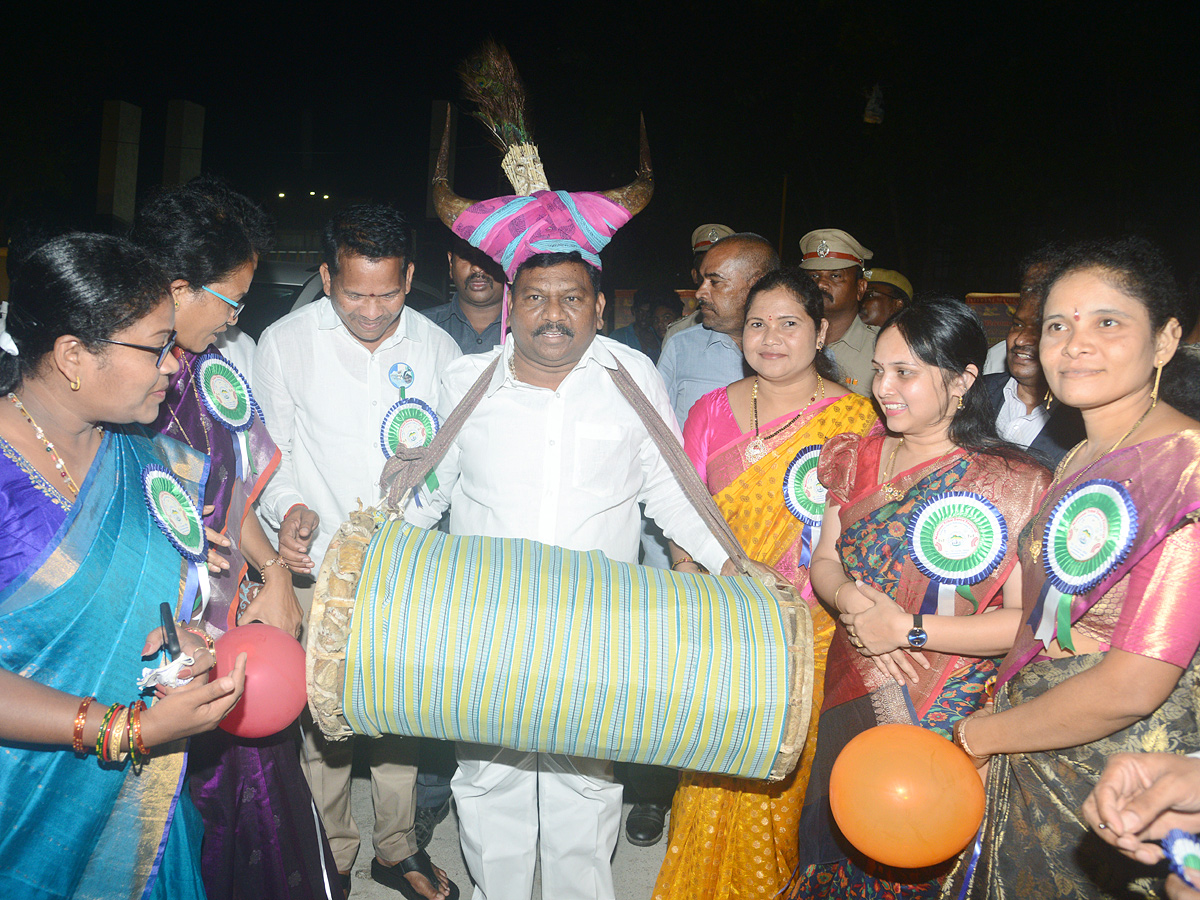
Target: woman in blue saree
83, 569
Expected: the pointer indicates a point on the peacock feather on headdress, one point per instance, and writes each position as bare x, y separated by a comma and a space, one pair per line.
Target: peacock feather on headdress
491, 82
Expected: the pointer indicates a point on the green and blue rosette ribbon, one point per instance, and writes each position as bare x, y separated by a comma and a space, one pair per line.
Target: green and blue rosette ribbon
177, 516
1182, 851
410, 423
227, 397
804, 497
956, 539
1089, 533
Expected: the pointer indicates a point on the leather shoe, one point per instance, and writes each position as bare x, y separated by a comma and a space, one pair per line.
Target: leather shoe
428, 818
393, 876
644, 827
344, 878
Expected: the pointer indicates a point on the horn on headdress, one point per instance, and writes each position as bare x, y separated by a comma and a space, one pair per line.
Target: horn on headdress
448, 204
635, 195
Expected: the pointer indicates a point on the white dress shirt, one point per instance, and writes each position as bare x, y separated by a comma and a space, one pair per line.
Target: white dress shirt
239, 348
324, 396
1015, 423
565, 467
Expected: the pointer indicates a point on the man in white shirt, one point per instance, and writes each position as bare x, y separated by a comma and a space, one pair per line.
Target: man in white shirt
554, 453
1046, 430
325, 376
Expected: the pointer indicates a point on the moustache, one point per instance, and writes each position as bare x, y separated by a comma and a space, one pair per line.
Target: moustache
553, 329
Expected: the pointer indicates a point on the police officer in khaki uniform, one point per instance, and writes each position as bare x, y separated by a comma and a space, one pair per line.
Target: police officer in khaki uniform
836, 261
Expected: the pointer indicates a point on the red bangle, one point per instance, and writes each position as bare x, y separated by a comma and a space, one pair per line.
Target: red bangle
293, 508
135, 734
80, 721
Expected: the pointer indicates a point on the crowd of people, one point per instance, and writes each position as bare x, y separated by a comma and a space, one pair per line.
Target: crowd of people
1059, 652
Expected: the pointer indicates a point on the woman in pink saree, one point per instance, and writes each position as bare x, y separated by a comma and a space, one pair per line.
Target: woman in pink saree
1106, 660
755, 445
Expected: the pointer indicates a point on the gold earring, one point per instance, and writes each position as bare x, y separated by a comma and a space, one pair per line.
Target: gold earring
76, 384
177, 303
1158, 367
1048, 398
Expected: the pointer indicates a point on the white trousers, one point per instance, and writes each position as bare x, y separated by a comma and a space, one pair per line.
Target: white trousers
507, 799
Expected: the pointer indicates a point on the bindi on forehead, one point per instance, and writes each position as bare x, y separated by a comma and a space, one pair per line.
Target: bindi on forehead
1076, 314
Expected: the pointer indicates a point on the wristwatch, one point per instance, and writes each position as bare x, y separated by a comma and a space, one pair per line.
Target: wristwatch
916, 635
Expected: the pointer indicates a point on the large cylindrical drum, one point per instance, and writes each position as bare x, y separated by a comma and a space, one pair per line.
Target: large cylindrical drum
523, 645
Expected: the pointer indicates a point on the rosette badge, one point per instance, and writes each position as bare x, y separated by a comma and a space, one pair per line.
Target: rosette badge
956, 539
1089, 533
410, 423
804, 497
226, 395
176, 515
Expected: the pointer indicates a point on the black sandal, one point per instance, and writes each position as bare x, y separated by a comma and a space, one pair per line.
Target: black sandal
394, 876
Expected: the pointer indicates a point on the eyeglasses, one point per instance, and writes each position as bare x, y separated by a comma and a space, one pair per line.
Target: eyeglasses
160, 351
237, 307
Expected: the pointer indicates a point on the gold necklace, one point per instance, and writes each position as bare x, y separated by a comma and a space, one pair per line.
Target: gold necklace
890, 491
757, 448
41, 435
183, 435
1035, 540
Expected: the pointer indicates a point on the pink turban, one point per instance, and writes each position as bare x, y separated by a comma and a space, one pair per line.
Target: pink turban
512, 229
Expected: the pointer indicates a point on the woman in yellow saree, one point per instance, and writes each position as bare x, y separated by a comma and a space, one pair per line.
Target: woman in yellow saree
755, 444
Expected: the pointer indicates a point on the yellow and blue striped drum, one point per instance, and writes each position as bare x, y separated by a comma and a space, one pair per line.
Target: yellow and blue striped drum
532, 647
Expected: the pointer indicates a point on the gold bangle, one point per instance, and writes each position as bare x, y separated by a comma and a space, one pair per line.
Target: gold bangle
960, 738
838, 591
120, 726
680, 562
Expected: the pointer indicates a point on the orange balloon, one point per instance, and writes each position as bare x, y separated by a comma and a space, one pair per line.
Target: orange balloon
906, 796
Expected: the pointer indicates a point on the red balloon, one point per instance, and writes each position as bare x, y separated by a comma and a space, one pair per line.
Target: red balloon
906, 796
275, 679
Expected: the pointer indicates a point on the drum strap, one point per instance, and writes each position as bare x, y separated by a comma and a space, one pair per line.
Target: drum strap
682, 468
404, 471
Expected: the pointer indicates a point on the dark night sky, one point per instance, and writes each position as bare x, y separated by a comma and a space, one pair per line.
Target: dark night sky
1006, 124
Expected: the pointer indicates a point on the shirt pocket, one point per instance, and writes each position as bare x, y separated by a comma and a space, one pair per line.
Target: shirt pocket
603, 459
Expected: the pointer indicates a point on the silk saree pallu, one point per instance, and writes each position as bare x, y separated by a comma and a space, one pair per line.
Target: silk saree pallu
523, 645
76, 621
1113, 556
731, 837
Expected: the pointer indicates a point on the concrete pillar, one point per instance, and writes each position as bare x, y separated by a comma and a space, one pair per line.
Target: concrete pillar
116, 187
185, 142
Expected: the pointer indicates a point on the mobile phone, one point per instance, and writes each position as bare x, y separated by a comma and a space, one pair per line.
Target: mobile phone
169, 632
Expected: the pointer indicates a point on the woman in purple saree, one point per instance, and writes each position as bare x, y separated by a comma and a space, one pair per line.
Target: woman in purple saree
1106, 658
263, 838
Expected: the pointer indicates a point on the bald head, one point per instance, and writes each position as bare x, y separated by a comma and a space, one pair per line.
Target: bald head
729, 269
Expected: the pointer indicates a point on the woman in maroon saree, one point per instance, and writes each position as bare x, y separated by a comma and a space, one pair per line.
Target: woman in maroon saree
912, 646
262, 837
1106, 658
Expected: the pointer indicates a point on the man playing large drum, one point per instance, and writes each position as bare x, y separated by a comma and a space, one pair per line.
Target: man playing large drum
554, 453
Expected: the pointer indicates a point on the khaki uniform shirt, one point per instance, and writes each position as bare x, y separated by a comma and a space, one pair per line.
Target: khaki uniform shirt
853, 355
